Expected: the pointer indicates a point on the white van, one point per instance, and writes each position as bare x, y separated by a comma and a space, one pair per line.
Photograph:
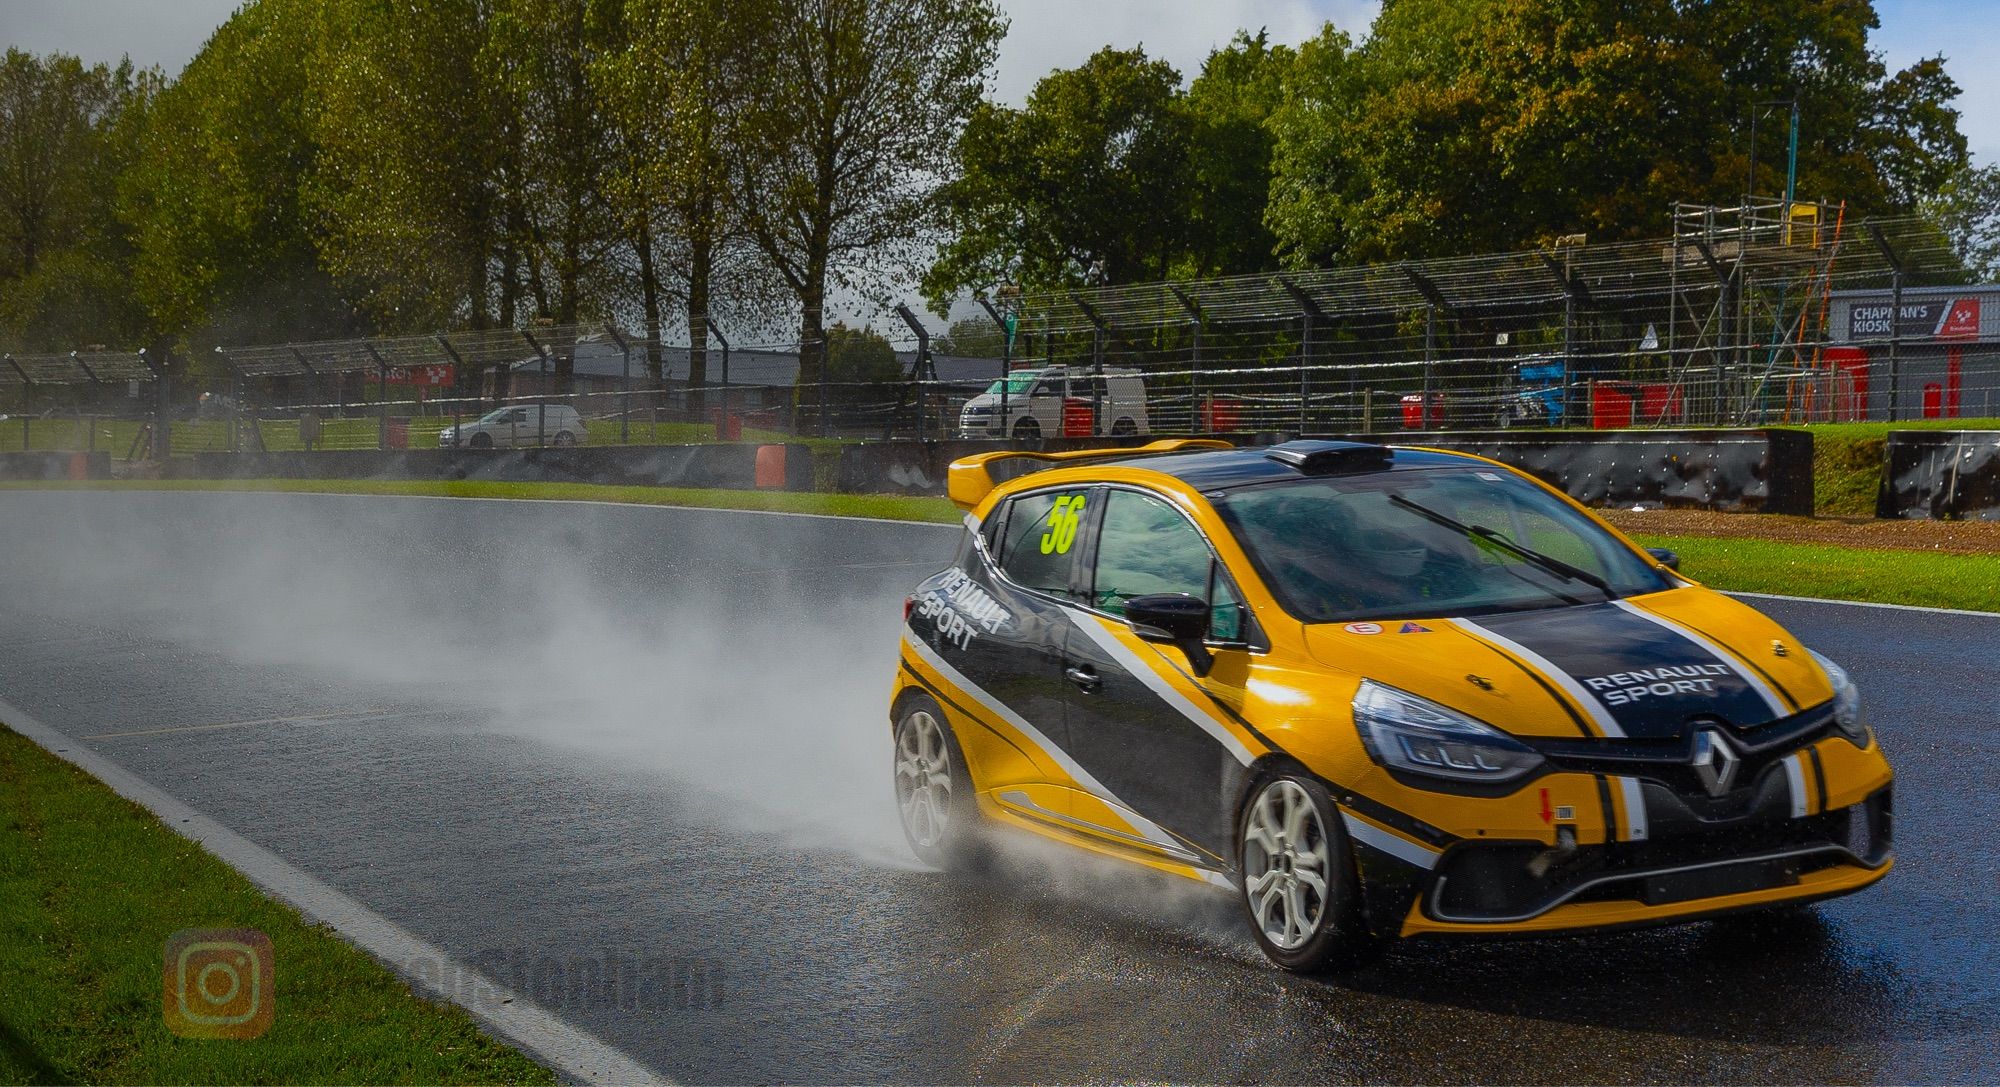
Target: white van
1035, 403
515, 426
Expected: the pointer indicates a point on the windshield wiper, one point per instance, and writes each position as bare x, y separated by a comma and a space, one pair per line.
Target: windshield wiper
1480, 532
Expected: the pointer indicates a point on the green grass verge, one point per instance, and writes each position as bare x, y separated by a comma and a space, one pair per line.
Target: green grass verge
1847, 460
1822, 570
91, 885
1839, 573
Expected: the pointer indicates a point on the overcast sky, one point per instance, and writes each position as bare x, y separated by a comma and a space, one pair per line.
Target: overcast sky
1047, 34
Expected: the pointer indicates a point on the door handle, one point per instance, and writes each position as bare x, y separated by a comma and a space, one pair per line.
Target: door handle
1083, 676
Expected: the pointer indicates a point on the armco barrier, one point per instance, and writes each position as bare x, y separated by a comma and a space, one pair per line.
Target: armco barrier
1941, 474
729, 465
1746, 471
55, 465
1736, 470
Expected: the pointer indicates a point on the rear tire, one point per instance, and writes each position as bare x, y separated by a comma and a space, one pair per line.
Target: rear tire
564, 437
934, 798
1298, 887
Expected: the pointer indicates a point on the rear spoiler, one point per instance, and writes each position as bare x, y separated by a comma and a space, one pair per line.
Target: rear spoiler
971, 478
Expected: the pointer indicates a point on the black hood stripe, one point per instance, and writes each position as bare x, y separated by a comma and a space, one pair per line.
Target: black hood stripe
1732, 657
1780, 706
1594, 710
1632, 673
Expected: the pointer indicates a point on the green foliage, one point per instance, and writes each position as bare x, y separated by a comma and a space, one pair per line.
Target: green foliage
1111, 173
973, 337
858, 357
1967, 210
223, 246
65, 134
407, 186
1479, 125
845, 134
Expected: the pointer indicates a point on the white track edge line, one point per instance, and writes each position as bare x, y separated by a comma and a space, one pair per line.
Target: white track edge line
573, 1053
1864, 604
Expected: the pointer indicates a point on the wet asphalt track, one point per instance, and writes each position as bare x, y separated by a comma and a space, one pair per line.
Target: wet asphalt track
583, 734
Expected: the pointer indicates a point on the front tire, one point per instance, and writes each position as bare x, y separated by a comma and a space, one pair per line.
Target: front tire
1028, 429
1299, 890
939, 814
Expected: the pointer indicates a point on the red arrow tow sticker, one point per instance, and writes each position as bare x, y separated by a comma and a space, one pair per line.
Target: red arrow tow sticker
1548, 813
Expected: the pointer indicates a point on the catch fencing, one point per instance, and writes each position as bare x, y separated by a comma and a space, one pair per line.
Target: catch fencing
1732, 321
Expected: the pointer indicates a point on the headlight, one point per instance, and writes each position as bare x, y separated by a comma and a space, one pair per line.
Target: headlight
1846, 700
1404, 732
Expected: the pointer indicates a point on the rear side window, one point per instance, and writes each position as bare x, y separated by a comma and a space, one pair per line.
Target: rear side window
1041, 536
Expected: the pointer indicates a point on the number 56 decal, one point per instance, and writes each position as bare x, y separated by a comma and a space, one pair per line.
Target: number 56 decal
1062, 525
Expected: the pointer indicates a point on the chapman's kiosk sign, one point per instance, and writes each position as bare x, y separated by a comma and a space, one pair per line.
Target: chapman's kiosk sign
1946, 357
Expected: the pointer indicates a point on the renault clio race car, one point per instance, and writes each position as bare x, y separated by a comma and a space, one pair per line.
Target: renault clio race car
1380, 692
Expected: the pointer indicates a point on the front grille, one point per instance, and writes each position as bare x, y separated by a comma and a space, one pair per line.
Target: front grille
1669, 760
1490, 882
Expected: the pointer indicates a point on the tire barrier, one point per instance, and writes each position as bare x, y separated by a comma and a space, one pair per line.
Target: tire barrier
731, 465
1738, 471
1942, 475
55, 465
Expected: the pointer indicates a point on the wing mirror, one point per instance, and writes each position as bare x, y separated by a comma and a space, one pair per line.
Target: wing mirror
1175, 619
1665, 557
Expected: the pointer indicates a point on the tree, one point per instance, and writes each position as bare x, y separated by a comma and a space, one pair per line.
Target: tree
66, 132
671, 89
1466, 125
844, 136
223, 244
1090, 179
407, 186
1967, 210
970, 337
1230, 105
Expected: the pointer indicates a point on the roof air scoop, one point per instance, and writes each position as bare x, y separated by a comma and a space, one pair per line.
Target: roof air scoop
1325, 458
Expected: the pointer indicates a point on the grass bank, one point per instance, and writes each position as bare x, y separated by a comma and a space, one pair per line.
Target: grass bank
1752, 565
1847, 461
91, 886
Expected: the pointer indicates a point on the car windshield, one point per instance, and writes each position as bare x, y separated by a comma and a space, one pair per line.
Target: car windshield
1017, 383
495, 416
1417, 544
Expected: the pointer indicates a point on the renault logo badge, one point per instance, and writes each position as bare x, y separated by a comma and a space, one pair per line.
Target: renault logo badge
1715, 761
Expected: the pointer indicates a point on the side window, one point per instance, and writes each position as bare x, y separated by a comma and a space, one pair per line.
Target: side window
1041, 538
1225, 611
1145, 546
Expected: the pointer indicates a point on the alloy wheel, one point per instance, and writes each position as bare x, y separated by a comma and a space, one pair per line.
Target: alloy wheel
923, 779
1286, 864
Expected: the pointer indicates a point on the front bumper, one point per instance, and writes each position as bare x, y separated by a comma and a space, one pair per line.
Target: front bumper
1497, 889
1623, 837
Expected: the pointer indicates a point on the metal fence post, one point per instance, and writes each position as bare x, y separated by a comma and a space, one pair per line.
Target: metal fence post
381, 397
722, 428
1895, 318
27, 387
541, 394
457, 381
625, 385
1196, 424
922, 364
1006, 349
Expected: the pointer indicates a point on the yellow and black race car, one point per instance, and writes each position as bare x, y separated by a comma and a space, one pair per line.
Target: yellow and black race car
1380, 691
